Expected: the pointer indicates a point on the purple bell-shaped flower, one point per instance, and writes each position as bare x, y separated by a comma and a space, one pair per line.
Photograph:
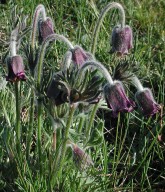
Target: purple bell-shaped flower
121, 40
146, 102
116, 98
82, 159
15, 69
79, 56
45, 28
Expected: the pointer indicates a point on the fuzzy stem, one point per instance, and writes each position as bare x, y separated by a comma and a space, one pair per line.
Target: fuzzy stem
18, 121
100, 67
13, 42
88, 131
137, 83
67, 60
45, 43
31, 121
39, 118
100, 20
40, 9
58, 163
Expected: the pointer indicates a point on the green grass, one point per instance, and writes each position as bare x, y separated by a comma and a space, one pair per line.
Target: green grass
126, 153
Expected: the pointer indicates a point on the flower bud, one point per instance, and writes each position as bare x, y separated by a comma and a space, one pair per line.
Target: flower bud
79, 56
121, 40
45, 29
116, 98
15, 69
81, 158
57, 91
146, 102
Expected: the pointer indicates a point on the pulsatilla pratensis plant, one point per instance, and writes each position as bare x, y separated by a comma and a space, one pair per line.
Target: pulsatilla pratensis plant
145, 99
116, 98
75, 88
121, 38
15, 62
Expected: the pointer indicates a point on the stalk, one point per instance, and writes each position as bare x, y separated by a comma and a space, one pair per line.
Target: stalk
40, 9
46, 42
30, 130
60, 155
100, 20
39, 75
100, 67
18, 121
137, 83
88, 131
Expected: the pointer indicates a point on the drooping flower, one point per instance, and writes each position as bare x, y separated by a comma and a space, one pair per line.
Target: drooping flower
121, 40
146, 102
116, 98
15, 69
56, 91
46, 28
82, 159
79, 56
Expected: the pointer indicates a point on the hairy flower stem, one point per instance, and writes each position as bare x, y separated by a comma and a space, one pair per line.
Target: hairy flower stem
66, 135
137, 83
40, 9
18, 121
98, 66
13, 42
100, 20
59, 159
89, 127
45, 43
31, 121
39, 118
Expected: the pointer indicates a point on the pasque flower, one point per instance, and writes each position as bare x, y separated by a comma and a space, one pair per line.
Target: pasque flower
79, 56
146, 102
81, 158
15, 69
113, 91
56, 91
45, 28
121, 40
116, 98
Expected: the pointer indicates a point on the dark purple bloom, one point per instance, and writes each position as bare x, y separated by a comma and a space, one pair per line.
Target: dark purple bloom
121, 40
56, 91
81, 158
45, 29
146, 102
15, 69
80, 56
116, 98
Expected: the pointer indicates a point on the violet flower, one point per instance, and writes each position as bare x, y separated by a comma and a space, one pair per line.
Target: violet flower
79, 56
146, 102
116, 98
45, 28
121, 40
15, 69
56, 91
81, 158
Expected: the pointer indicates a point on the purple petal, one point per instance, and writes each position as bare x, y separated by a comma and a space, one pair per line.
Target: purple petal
121, 40
146, 102
117, 99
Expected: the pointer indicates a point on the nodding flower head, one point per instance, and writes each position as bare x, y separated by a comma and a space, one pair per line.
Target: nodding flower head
81, 158
79, 56
45, 28
15, 69
146, 102
56, 91
116, 98
121, 40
